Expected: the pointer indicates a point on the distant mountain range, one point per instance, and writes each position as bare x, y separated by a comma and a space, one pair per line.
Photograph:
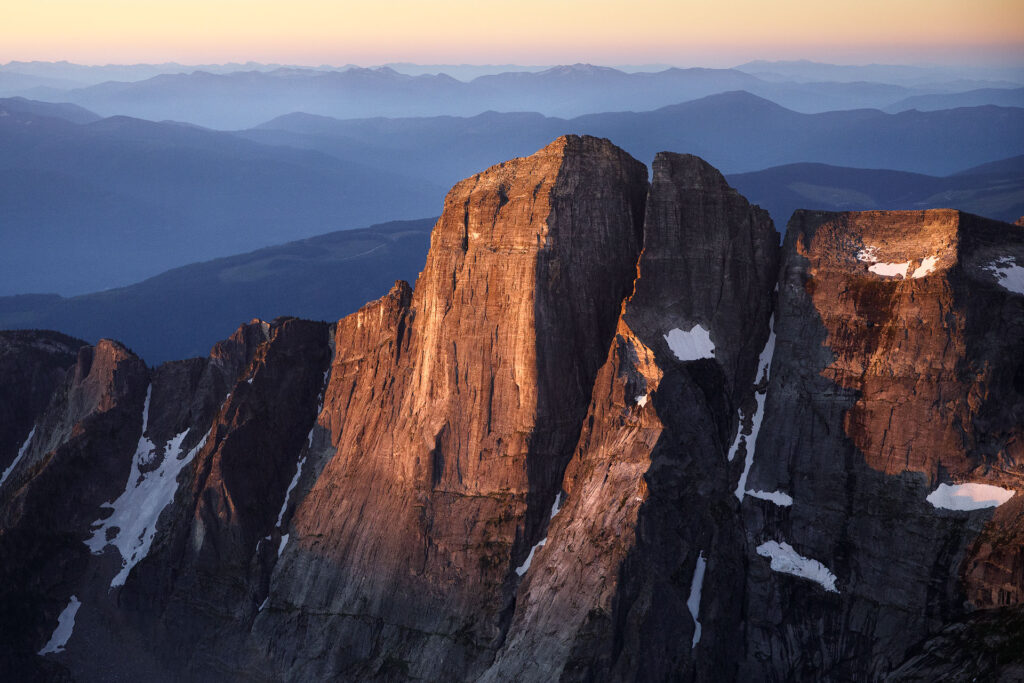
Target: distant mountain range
93, 205
226, 99
58, 110
803, 70
737, 132
182, 312
972, 98
994, 190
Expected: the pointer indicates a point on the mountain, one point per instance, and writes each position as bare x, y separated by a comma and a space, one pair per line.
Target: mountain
115, 201
64, 75
738, 132
33, 363
803, 70
231, 100
67, 112
182, 312
1003, 97
112, 202
612, 420
995, 190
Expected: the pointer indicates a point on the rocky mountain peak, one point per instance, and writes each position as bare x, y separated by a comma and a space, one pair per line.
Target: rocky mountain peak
613, 433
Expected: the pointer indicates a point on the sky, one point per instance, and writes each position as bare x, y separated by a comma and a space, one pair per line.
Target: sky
682, 32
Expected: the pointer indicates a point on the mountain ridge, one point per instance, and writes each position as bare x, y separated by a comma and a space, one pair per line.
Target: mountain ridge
574, 450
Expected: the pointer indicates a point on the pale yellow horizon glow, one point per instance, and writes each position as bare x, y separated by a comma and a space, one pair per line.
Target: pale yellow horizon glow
526, 32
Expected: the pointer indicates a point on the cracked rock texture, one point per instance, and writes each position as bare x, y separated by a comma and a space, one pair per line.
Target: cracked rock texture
614, 432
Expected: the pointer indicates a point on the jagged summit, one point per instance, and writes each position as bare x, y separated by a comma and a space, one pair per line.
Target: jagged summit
614, 432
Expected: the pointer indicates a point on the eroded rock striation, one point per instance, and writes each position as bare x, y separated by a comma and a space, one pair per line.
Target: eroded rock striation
614, 432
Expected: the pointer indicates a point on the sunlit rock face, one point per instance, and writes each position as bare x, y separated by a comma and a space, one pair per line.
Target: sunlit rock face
452, 413
614, 432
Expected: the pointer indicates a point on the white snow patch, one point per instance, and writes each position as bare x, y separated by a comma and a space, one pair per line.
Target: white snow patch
295, 481
693, 602
1009, 274
65, 625
525, 566
641, 400
777, 497
136, 511
868, 254
764, 366
263, 605
284, 542
968, 496
788, 561
557, 505
21, 454
891, 269
692, 344
927, 266
249, 381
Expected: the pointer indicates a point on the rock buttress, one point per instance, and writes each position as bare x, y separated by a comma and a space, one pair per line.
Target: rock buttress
80, 448
453, 413
896, 369
648, 497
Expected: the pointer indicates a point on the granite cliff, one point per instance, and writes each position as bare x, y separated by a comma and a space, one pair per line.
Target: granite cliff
614, 432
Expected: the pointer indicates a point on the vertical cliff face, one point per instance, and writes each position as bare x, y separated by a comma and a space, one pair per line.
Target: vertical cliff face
78, 449
453, 413
648, 515
204, 568
32, 366
615, 433
895, 375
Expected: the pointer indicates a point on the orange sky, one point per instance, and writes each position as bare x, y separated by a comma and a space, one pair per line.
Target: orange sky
713, 32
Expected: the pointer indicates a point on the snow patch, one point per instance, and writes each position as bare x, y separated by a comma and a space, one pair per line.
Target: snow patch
525, 566
295, 480
788, 561
65, 625
131, 526
692, 344
968, 496
868, 254
263, 605
557, 506
890, 269
21, 454
764, 367
284, 542
1008, 273
927, 266
777, 497
641, 400
693, 602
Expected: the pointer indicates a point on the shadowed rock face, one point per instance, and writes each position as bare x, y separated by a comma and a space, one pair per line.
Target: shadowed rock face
883, 386
81, 445
649, 489
615, 433
32, 366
